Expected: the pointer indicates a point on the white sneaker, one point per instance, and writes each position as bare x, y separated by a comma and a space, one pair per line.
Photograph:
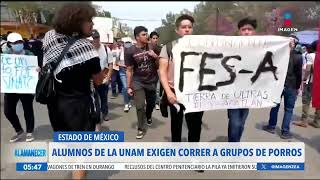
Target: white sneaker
157, 107
29, 137
130, 105
16, 137
126, 108
140, 134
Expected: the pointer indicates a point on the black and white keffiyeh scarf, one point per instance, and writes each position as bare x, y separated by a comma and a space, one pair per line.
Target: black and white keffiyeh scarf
53, 44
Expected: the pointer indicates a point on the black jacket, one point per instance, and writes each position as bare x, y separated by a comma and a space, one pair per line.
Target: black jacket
294, 73
36, 49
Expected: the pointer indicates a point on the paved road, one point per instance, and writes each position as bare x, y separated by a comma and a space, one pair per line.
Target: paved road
214, 130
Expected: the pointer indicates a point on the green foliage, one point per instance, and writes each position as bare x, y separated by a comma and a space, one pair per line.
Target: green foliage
104, 14
48, 8
269, 16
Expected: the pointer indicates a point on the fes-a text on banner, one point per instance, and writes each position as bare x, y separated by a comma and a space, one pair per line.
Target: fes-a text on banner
18, 73
229, 72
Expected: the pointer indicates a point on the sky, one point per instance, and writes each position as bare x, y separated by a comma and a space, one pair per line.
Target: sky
142, 10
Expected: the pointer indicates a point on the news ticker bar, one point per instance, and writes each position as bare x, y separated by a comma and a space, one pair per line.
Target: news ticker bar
161, 166
155, 152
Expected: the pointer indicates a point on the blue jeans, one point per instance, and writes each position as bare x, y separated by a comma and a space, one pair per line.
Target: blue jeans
237, 119
103, 93
290, 96
115, 80
123, 78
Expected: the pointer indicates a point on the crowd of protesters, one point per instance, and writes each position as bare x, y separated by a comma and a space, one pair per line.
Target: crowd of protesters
142, 73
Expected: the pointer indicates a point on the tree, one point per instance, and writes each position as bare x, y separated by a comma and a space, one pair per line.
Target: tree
101, 12
30, 12
222, 17
25, 13
304, 16
167, 30
104, 14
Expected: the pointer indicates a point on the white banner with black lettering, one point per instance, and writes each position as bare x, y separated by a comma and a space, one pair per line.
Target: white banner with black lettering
230, 72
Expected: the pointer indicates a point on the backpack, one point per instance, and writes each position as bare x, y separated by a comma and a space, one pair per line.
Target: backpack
169, 50
45, 90
163, 100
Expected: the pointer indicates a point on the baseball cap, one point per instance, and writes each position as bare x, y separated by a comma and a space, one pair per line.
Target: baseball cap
95, 34
14, 37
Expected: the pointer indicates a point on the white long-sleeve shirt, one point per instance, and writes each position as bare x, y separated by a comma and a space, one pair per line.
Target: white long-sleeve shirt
105, 58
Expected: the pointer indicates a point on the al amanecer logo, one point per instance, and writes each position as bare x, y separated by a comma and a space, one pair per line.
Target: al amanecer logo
287, 22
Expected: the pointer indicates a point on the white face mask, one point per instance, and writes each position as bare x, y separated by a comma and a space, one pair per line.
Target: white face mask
4, 48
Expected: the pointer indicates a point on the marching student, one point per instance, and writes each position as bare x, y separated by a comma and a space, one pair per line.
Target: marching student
115, 79
184, 26
237, 117
73, 108
142, 77
154, 39
123, 76
15, 46
106, 60
289, 93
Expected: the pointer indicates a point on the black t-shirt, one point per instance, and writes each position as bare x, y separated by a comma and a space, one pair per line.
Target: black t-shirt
144, 66
76, 79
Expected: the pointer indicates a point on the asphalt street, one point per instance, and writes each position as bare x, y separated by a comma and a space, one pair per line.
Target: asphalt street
214, 129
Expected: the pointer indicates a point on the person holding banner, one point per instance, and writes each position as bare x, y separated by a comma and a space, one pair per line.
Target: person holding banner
184, 26
142, 77
15, 46
238, 117
289, 93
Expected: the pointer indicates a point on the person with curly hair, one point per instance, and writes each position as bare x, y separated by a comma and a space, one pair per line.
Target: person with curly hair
71, 109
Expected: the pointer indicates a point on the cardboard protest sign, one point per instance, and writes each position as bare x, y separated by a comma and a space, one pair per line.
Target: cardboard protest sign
18, 73
230, 72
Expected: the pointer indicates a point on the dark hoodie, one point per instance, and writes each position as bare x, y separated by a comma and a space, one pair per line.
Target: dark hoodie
294, 73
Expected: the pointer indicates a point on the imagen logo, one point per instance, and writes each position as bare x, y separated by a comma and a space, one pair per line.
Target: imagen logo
287, 22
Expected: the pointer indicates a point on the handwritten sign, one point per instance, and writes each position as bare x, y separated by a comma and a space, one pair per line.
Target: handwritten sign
230, 72
18, 73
